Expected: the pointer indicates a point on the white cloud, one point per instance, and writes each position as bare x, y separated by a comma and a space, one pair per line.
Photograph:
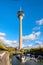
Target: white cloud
29, 37
2, 34
36, 28
14, 41
37, 33
6, 41
30, 45
27, 46
38, 42
2, 39
40, 22
32, 36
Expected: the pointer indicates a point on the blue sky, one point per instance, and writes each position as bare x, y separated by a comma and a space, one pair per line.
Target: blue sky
32, 22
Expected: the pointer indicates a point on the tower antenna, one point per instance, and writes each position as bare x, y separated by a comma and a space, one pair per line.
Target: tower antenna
20, 9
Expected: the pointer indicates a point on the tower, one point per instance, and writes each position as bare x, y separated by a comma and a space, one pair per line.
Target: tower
20, 16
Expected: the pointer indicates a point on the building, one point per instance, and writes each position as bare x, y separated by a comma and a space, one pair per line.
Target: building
4, 58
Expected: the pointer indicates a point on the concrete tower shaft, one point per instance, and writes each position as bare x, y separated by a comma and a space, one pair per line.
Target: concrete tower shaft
20, 16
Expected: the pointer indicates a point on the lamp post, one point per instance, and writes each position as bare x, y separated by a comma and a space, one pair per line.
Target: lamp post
20, 16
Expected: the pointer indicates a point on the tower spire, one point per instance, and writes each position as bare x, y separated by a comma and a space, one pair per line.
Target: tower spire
20, 9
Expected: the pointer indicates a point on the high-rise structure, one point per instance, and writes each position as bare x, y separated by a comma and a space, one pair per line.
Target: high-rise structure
20, 16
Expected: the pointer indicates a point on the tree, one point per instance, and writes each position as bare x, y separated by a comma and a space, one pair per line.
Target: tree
2, 47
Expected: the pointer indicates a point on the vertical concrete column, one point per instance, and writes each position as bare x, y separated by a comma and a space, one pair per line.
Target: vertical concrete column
20, 34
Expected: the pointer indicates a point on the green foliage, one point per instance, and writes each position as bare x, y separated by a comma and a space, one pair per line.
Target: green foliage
22, 51
37, 51
10, 49
2, 47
